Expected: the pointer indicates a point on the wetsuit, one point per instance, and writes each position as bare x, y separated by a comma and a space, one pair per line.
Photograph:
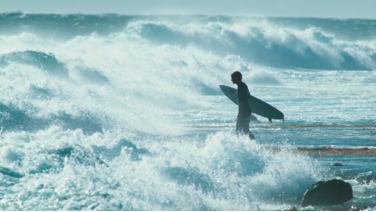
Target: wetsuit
245, 111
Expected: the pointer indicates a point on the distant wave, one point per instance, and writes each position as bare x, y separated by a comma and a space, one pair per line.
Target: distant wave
268, 45
147, 65
93, 109
276, 42
61, 27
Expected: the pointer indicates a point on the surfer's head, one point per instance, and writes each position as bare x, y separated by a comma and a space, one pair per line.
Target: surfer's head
236, 77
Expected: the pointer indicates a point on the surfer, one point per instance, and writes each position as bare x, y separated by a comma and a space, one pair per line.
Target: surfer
245, 111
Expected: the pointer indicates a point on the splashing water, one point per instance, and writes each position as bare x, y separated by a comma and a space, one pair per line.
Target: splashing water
108, 112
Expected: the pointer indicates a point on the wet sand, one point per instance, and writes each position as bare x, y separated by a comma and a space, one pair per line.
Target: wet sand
305, 150
326, 150
288, 126
316, 126
329, 150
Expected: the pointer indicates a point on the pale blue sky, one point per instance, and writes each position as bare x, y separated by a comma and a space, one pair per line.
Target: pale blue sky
290, 8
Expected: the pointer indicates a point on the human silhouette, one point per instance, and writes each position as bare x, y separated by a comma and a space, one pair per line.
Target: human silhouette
245, 111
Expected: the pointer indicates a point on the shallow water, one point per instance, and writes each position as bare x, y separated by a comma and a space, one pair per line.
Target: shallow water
109, 112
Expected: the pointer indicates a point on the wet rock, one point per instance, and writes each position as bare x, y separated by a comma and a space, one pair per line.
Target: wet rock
330, 192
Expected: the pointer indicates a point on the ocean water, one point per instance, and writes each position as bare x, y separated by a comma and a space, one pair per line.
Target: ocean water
113, 112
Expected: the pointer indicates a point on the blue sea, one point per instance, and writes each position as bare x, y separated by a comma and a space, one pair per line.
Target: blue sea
116, 112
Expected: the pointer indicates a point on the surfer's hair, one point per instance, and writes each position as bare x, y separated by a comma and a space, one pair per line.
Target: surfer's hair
237, 75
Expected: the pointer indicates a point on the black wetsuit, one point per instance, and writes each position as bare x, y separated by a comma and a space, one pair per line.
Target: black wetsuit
245, 111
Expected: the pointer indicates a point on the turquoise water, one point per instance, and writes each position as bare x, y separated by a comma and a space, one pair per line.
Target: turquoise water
110, 112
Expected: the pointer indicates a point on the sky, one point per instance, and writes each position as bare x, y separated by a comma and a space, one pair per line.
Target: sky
266, 8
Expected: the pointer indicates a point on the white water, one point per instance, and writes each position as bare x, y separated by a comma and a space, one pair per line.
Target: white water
125, 121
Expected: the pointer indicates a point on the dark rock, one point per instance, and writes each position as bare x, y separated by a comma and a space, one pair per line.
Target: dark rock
330, 192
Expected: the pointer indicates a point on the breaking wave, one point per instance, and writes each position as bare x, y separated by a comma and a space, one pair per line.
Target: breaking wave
256, 40
91, 108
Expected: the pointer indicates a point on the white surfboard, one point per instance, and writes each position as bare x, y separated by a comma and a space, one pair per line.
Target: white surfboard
258, 106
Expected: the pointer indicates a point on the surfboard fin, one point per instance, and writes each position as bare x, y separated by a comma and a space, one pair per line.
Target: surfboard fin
270, 119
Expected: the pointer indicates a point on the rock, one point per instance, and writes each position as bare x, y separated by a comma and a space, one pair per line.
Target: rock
330, 192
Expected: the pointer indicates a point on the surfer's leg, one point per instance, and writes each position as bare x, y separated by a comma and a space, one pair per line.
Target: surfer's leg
246, 128
237, 126
239, 129
242, 127
251, 136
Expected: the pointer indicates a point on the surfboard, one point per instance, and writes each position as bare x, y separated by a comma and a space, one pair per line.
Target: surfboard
258, 106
